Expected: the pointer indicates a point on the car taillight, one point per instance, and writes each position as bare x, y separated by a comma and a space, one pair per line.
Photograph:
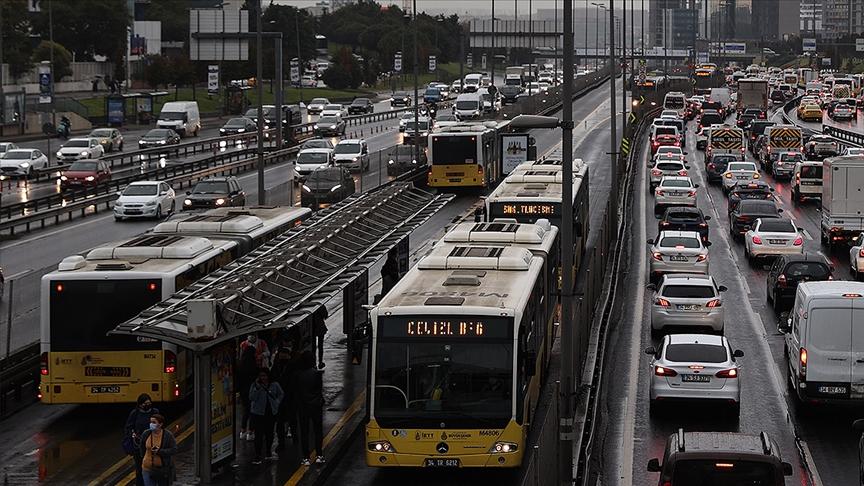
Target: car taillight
692, 193
662, 371
798, 241
728, 175
659, 192
714, 303
169, 360
756, 175
479, 169
666, 223
757, 240
656, 172
701, 258
677, 144
703, 225
802, 360
43, 364
861, 252
781, 280
662, 302
682, 172
711, 166
730, 373
655, 144
657, 256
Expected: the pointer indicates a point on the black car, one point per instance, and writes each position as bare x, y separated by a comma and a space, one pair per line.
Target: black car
746, 213
159, 137
361, 106
755, 129
330, 125
400, 98
327, 185
744, 119
681, 218
510, 93
743, 190
714, 106
401, 158
757, 146
238, 125
717, 165
710, 117
790, 270
778, 97
215, 192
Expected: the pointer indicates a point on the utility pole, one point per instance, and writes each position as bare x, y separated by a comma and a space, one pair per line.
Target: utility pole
586, 34
53, 80
2, 95
624, 64
259, 86
416, 101
567, 387
613, 140
492, 56
299, 59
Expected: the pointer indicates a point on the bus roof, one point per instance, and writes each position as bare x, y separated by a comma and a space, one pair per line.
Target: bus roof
251, 220
539, 237
537, 185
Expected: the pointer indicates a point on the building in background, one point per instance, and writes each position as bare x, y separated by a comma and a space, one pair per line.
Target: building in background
842, 17
811, 17
673, 23
751, 20
337, 4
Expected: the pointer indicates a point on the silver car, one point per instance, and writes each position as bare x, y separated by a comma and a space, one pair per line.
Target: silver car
678, 252
772, 237
666, 167
737, 172
695, 367
675, 191
687, 300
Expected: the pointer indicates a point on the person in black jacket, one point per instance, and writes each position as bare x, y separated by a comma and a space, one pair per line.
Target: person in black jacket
247, 373
137, 423
285, 366
308, 390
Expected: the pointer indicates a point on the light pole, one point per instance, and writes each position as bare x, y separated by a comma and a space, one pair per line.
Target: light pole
299, 59
439, 22
613, 141
416, 76
596, 33
259, 87
492, 54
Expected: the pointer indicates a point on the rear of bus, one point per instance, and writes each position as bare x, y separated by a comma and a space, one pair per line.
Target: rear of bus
81, 363
456, 160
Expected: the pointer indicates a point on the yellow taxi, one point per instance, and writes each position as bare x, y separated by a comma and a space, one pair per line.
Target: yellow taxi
810, 112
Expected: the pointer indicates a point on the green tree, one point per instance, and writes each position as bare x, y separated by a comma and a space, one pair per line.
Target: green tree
17, 47
345, 71
155, 71
87, 28
336, 77
62, 59
174, 15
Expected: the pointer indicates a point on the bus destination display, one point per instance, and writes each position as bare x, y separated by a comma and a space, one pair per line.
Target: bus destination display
526, 209
477, 327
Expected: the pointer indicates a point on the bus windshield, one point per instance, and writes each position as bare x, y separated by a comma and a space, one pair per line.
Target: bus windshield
83, 311
455, 150
426, 375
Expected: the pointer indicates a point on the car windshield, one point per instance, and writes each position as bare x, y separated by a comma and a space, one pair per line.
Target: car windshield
236, 122
423, 125
403, 150
141, 190
312, 158
710, 119
318, 101
172, 115
669, 166
688, 291
77, 144
320, 143
326, 176
348, 148
723, 159
811, 172
211, 187
84, 166
758, 207
683, 217
670, 151
253, 112
665, 131
777, 226
467, 104
433, 91
742, 166
360, 102
156, 134
791, 157
679, 242
332, 120
709, 472
675, 183
17, 155
102, 132
696, 352
808, 269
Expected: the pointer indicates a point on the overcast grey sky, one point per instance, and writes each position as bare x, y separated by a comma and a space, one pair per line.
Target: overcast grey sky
476, 7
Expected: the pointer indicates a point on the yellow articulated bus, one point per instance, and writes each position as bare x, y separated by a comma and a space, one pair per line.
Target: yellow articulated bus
533, 191
459, 347
90, 294
466, 155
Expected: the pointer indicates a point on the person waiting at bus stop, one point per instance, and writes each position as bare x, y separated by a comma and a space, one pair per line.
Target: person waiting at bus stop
265, 398
319, 330
308, 388
137, 423
262, 352
285, 366
247, 372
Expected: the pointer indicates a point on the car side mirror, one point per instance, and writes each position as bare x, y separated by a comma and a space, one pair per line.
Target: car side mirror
707, 243
696, 185
686, 153
707, 218
654, 465
188, 193
650, 242
652, 287
722, 288
738, 353
779, 210
650, 350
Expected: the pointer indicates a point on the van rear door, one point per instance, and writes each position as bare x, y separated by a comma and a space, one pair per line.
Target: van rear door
829, 348
857, 347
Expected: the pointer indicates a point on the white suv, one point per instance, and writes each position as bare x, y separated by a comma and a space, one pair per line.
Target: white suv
80, 148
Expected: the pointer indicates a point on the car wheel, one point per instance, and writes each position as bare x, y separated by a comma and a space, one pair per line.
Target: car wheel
775, 302
118, 218
159, 212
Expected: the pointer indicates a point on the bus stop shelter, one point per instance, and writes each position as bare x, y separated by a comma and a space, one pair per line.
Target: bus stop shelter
117, 111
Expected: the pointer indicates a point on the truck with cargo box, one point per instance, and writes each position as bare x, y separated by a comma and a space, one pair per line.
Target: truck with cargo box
842, 199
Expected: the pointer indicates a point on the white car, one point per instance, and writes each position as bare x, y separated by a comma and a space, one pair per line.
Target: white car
145, 199
856, 257
308, 160
853, 151
771, 237
22, 162
687, 300
678, 252
668, 152
404, 119
663, 168
317, 105
80, 148
691, 367
352, 154
5, 146
675, 191
334, 110
670, 114
737, 172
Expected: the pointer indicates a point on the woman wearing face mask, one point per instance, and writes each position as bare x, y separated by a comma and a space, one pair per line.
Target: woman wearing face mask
138, 422
265, 397
157, 449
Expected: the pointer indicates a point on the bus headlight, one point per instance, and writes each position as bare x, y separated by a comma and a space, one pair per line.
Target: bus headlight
381, 446
503, 448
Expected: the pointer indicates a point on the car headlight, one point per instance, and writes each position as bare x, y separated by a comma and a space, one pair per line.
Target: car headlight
335, 188
355, 159
306, 188
118, 204
503, 448
315, 126
187, 202
89, 178
150, 203
390, 162
241, 130
756, 176
221, 130
161, 142
220, 201
381, 446
84, 153
103, 141
24, 165
64, 178
59, 154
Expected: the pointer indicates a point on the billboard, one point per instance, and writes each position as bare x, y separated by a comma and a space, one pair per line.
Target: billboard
213, 78
515, 150
218, 21
808, 45
222, 402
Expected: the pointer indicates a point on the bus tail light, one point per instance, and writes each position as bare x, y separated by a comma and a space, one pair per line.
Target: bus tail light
503, 448
169, 359
380, 446
176, 391
43, 364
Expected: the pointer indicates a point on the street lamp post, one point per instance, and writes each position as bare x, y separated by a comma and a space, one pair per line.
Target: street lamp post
259, 87
613, 142
596, 33
299, 59
492, 54
416, 76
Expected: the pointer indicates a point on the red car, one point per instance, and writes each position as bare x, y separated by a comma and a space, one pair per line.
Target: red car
85, 173
665, 141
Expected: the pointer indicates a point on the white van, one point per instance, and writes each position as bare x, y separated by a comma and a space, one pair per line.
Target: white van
825, 342
472, 82
807, 180
467, 106
180, 116
675, 100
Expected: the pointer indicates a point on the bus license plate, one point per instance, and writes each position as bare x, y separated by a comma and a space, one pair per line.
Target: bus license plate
436, 462
105, 389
